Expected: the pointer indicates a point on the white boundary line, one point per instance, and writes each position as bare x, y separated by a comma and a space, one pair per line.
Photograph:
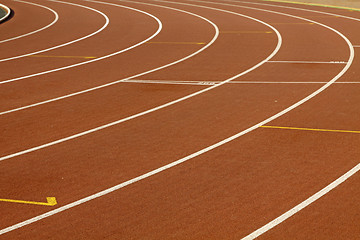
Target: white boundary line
71, 205
356, 46
309, 62
99, 58
67, 43
8, 12
206, 83
128, 78
38, 30
329, 187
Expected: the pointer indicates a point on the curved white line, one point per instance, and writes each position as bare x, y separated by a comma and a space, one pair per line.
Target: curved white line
100, 58
76, 203
8, 11
67, 43
38, 30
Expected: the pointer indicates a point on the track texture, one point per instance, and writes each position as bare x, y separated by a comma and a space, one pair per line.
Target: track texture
179, 120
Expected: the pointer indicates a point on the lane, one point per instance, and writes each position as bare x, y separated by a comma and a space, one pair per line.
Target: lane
228, 118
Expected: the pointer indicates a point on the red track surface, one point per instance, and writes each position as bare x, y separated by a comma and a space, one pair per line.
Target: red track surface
226, 192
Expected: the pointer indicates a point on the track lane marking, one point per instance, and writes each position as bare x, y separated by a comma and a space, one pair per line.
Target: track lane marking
309, 62
49, 56
300, 23
50, 201
245, 32
180, 43
99, 58
38, 30
107, 21
207, 149
203, 82
311, 129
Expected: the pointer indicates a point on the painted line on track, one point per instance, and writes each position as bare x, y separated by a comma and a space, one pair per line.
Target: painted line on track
38, 30
311, 129
207, 149
180, 43
99, 58
67, 43
102, 193
310, 62
203, 82
245, 32
49, 56
131, 77
50, 201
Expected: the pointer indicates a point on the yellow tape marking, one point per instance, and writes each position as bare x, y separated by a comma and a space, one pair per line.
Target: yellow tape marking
306, 23
51, 201
315, 4
177, 42
246, 32
312, 129
49, 56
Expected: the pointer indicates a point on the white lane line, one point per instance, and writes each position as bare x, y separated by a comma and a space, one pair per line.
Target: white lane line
303, 204
131, 77
67, 43
38, 30
99, 58
8, 12
356, 46
71, 205
309, 62
204, 83
169, 103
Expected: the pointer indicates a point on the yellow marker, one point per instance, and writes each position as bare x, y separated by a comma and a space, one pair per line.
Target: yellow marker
51, 201
177, 42
49, 56
312, 129
293, 23
245, 32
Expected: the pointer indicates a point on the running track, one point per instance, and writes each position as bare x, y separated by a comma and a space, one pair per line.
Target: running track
179, 120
